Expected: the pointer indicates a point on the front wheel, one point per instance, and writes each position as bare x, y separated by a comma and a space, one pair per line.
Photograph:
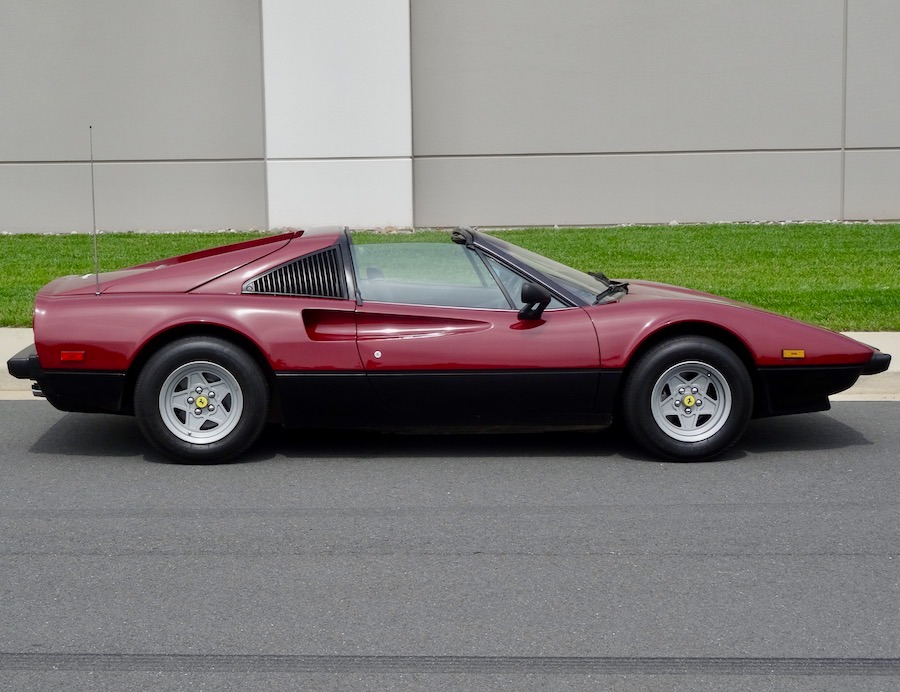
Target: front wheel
688, 399
201, 400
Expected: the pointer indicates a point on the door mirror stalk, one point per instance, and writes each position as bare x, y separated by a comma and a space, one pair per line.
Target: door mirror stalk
536, 298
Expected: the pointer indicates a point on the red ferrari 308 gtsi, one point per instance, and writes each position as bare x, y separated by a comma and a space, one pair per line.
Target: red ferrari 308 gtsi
318, 329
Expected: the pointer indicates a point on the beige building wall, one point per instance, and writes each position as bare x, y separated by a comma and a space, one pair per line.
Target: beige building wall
265, 113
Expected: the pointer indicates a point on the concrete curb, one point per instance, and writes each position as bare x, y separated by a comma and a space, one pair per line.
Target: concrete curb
883, 387
11, 342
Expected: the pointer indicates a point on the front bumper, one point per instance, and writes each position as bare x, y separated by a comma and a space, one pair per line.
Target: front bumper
879, 363
71, 390
803, 389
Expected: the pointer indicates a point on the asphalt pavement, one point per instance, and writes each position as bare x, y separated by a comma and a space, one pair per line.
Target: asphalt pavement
358, 562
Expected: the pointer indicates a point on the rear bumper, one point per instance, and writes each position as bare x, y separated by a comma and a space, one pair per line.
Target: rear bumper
24, 365
71, 390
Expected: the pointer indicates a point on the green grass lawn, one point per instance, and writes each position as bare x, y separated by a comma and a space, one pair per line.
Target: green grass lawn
842, 276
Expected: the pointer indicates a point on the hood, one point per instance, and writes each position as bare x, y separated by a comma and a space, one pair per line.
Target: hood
649, 290
678, 302
650, 307
179, 274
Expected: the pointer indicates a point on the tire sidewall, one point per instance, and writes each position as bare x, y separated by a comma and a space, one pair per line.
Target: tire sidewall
636, 400
238, 363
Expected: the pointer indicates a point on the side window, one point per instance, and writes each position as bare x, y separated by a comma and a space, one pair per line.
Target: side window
512, 282
444, 274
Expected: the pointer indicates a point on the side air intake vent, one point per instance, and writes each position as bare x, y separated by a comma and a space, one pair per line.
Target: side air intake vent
319, 275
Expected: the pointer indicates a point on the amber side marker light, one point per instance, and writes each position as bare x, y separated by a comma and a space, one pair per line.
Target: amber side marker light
793, 353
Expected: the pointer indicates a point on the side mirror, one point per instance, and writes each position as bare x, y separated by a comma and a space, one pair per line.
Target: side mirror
536, 298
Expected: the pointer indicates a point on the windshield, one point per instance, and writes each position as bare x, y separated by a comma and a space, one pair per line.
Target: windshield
582, 284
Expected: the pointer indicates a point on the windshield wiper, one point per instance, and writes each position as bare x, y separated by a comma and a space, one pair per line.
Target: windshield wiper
600, 276
611, 290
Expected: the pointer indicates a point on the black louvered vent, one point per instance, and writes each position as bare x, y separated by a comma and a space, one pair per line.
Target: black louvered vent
318, 275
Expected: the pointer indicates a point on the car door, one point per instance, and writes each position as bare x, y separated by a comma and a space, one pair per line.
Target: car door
440, 341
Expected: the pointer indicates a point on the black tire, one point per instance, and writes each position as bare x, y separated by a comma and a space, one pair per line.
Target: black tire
687, 399
201, 400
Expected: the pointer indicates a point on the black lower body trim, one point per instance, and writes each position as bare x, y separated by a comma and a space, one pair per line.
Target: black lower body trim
803, 389
472, 399
518, 398
85, 392
322, 399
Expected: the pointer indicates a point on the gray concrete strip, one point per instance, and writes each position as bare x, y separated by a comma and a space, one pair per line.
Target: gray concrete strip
11, 342
17, 395
883, 387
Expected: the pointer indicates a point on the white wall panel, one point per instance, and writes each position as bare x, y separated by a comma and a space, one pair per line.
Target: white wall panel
873, 73
873, 185
168, 196
45, 198
161, 80
648, 188
349, 192
337, 78
597, 76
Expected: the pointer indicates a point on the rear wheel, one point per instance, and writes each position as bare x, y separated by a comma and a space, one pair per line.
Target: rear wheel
201, 400
688, 399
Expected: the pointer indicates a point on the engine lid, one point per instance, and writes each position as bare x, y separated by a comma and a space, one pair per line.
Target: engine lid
178, 274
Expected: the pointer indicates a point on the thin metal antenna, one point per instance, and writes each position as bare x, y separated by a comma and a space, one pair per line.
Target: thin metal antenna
94, 214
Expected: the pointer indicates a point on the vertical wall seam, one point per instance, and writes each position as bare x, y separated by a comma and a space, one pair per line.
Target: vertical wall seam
843, 200
265, 138
412, 124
